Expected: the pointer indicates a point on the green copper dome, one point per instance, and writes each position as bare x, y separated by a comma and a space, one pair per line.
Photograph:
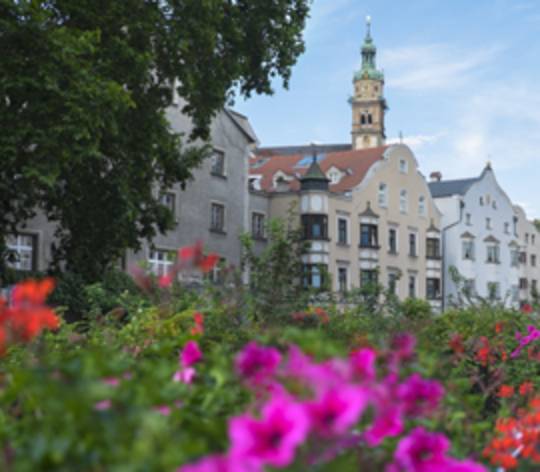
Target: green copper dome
369, 52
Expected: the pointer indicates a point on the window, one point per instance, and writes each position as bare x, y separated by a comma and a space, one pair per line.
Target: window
523, 258
412, 286
342, 231
481, 201
217, 274
412, 245
383, 195
526, 238
257, 225
422, 206
342, 279
368, 236
392, 282
533, 260
22, 250
392, 241
313, 276
488, 223
218, 163
160, 261
403, 201
493, 254
334, 177
403, 166
217, 218
469, 287
532, 239
468, 249
315, 226
494, 290
494, 204
523, 283
168, 199
468, 219
433, 248
507, 228
534, 287
433, 289
514, 258
368, 278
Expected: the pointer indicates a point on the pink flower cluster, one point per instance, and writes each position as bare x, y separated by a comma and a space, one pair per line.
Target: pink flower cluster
524, 340
189, 356
327, 412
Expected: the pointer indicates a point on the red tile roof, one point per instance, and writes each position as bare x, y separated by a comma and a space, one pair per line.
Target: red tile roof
356, 163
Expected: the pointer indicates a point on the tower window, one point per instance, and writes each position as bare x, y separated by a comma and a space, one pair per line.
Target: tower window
363, 119
369, 120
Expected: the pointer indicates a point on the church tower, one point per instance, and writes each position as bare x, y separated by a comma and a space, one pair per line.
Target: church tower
368, 103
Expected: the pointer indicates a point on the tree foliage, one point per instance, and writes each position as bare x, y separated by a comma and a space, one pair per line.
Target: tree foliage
84, 88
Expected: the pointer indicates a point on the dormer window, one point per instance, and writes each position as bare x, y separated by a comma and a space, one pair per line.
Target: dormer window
403, 166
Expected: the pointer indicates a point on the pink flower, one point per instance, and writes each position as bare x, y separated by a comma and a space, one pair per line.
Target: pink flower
363, 363
422, 451
165, 280
111, 381
337, 410
185, 375
164, 410
102, 405
191, 354
272, 439
419, 396
388, 423
257, 362
533, 335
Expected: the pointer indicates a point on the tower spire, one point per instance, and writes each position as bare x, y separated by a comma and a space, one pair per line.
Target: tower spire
368, 27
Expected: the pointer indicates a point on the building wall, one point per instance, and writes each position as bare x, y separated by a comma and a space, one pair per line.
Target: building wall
483, 200
529, 238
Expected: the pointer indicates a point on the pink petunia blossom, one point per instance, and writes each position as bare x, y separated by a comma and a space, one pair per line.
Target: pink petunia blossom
185, 375
422, 451
103, 405
388, 423
273, 439
337, 409
534, 334
363, 363
256, 362
419, 396
191, 354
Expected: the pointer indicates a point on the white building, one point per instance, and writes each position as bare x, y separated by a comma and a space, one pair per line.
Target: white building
529, 257
480, 238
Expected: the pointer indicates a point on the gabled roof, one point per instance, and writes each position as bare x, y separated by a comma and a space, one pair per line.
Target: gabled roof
447, 188
466, 234
358, 161
368, 212
302, 149
491, 239
243, 123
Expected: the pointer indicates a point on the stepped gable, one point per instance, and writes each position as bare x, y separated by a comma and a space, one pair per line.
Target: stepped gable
353, 163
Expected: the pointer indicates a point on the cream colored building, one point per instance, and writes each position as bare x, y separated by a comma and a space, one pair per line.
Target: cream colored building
368, 215
529, 256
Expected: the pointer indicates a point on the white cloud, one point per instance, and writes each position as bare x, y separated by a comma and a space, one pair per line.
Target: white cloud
435, 66
416, 141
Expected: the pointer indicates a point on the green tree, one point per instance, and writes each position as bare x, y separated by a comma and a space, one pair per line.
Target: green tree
84, 88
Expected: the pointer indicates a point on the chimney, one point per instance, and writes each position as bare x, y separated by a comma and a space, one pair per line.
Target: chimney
435, 176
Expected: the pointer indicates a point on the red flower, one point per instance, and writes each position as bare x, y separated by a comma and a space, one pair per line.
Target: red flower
527, 308
505, 391
498, 327
456, 344
525, 388
199, 324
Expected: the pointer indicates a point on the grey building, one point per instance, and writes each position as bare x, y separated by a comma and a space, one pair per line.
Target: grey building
213, 208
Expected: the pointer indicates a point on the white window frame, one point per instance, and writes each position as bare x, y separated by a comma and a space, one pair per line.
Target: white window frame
403, 166
403, 201
347, 232
466, 254
422, 205
346, 269
382, 195
223, 227
22, 250
158, 261
395, 229
219, 172
261, 231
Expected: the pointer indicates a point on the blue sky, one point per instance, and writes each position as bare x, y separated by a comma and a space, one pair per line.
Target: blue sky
462, 80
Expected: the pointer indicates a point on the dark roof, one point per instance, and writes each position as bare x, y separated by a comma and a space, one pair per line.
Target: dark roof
314, 178
491, 239
243, 123
466, 234
302, 149
445, 188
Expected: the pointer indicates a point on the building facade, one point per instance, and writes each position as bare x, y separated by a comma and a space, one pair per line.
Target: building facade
213, 207
368, 215
529, 257
481, 240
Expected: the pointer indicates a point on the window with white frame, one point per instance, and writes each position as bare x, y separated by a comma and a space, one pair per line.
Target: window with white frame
403, 166
257, 225
468, 249
217, 274
494, 290
422, 205
393, 283
217, 217
413, 250
488, 223
514, 258
383, 195
343, 237
168, 199
342, 279
392, 241
493, 254
160, 261
403, 201
218, 163
22, 251
468, 219
412, 286
507, 228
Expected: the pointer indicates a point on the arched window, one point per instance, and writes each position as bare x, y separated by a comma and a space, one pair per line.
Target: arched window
363, 119
369, 120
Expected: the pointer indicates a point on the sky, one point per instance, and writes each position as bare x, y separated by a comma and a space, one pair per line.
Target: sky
462, 81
